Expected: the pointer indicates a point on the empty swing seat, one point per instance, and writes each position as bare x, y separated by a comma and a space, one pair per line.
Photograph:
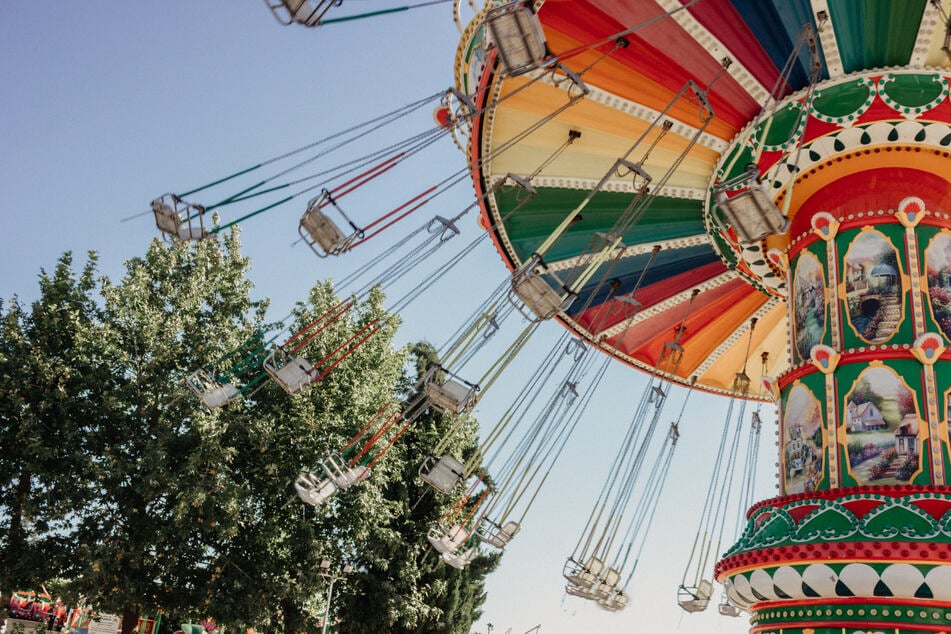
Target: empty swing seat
449, 393
615, 602
498, 536
447, 540
592, 570
306, 12
460, 560
608, 583
534, 293
291, 373
212, 393
313, 490
342, 474
179, 224
518, 36
321, 233
443, 474
728, 609
695, 599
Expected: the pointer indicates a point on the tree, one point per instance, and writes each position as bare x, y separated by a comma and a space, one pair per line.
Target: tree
397, 572
192, 512
151, 513
50, 383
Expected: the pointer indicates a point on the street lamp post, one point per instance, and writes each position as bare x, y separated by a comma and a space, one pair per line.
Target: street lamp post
325, 568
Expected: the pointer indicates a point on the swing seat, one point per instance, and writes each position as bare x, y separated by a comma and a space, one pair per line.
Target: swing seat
577, 591
306, 12
313, 490
534, 297
612, 577
177, 219
728, 609
322, 234
460, 560
751, 212
443, 474
615, 602
448, 392
447, 540
342, 474
291, 373
607, 584
212, 393
585, 576
518, 36
498, 536
695, 599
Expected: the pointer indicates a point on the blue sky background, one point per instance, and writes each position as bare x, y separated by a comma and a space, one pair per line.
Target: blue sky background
108, 105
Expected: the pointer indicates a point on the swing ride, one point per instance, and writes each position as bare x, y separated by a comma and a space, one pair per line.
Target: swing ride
691, 187
757, 161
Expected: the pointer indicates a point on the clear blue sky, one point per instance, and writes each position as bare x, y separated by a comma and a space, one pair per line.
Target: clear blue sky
110, 104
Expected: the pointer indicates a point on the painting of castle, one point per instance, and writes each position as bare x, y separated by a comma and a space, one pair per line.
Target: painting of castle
873, 289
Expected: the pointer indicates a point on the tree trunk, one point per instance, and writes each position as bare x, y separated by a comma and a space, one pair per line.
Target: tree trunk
15, 542
130, 618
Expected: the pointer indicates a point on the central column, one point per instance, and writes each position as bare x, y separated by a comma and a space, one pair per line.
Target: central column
860, 539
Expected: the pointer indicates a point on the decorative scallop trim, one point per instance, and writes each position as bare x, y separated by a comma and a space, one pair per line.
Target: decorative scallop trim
628, 252
911, 112
926, 32
625, 186
821, 150
846, 120
830, 46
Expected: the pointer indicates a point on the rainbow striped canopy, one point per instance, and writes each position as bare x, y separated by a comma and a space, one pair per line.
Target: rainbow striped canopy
672, 42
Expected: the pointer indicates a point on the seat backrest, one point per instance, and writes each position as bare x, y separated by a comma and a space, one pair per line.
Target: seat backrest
705, 589
594, 565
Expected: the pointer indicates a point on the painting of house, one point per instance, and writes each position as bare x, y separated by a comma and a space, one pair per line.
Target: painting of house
864, 417
881, 419
906, 436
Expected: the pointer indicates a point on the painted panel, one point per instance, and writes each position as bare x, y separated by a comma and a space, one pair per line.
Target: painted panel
873, 287
938, 273
809, 304
802, 453
881, 423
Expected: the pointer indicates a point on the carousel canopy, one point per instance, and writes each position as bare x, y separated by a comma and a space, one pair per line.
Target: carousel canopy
762, 97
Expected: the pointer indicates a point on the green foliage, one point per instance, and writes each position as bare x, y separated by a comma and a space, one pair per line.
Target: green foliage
124, 485
51, 380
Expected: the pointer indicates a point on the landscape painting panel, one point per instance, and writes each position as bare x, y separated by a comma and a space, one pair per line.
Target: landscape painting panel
873, 290
881, 420
938, 268
808, 304
802, 441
